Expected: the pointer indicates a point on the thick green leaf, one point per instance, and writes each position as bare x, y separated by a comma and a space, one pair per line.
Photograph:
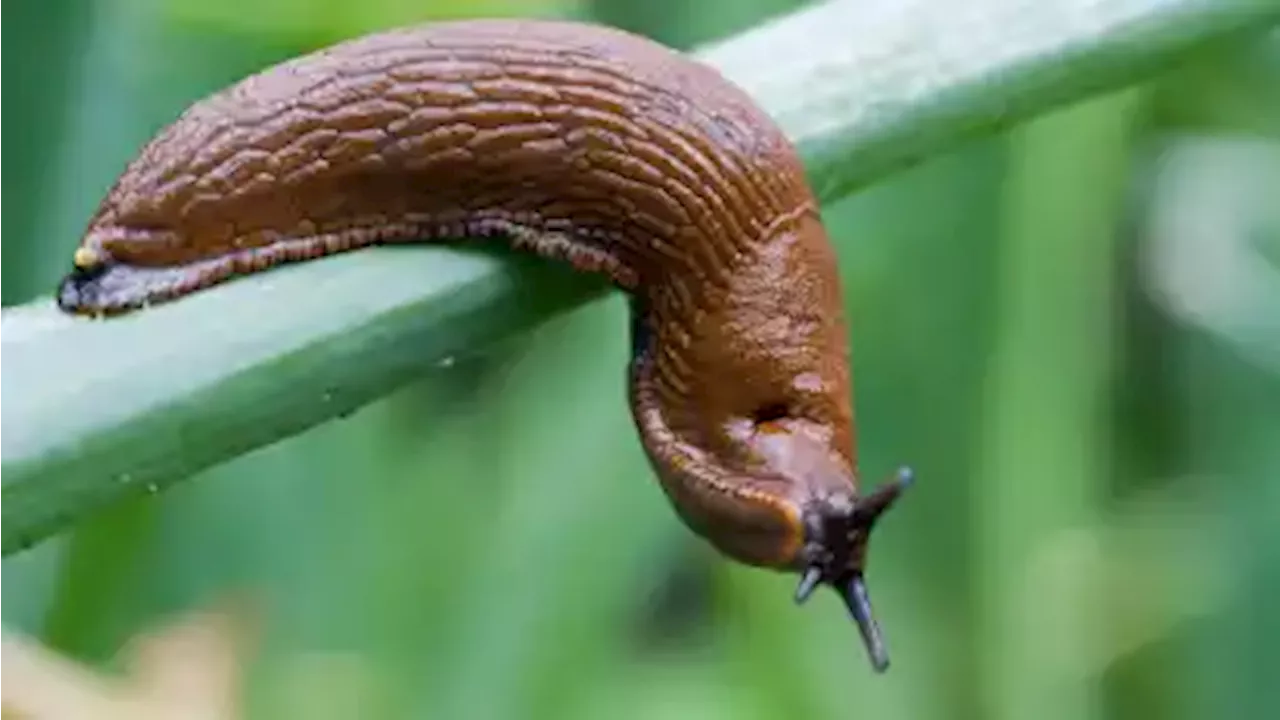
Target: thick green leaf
100, 410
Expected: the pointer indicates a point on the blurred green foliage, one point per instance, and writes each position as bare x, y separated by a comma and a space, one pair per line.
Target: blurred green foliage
1068, 333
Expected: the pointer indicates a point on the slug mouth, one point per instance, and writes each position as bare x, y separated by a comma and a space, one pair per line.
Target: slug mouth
835, 556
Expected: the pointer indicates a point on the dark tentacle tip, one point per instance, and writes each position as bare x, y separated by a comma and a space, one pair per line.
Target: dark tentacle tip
808, 582
854, 593
869, 509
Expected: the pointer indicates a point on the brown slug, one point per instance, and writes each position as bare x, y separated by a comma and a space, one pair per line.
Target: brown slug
581, 143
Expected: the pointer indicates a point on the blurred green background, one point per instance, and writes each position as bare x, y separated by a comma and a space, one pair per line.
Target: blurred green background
1071, 331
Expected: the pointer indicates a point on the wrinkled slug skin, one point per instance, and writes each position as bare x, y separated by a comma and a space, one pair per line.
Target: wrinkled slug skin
577, 142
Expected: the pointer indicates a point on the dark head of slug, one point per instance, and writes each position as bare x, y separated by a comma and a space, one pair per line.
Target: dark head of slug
834, 554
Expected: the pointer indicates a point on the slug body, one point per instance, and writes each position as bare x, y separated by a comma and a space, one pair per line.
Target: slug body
581, 143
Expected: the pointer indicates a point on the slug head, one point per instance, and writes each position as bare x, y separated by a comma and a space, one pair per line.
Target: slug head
835, 554
821, 523
792, 506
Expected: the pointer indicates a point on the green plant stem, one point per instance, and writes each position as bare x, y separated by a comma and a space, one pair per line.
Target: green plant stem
875, 86
1045, 455
96, 411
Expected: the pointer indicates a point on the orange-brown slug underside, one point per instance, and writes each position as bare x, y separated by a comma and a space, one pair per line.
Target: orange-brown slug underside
577, 142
